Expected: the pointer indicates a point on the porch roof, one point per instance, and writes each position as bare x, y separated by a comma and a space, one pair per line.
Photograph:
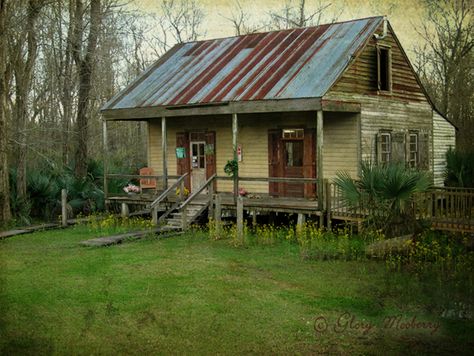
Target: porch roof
283, 65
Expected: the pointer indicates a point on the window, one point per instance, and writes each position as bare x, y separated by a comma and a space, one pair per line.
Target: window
385, 147
384, 70
293, 134
413, 150
294, 153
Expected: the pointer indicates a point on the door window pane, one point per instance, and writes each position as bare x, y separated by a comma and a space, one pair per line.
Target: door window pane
198, 157
294, 153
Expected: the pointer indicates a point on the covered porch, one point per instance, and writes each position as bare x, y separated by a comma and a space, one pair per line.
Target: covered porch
283, 151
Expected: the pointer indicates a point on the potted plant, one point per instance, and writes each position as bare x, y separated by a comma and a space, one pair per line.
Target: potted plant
231, 168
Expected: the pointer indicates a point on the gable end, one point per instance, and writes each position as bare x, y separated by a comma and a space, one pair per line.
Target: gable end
362, 76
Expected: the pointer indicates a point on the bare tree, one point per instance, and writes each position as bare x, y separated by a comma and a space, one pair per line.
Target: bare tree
241, 20
5, 213
180, 21
446, 63
66, 76
299, 15
23, 57
84, 59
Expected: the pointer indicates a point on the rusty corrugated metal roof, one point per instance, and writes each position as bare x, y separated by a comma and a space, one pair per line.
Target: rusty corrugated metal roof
288, 64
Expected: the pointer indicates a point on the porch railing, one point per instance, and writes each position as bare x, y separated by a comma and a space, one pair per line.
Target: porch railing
180, 205
163, 196
337, 205
318, 194
209, 185
159, 179
448, 208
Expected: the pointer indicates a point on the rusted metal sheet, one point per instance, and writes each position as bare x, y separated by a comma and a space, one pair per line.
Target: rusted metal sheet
288, 64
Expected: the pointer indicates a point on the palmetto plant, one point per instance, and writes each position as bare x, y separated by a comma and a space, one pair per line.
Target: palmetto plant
385, 193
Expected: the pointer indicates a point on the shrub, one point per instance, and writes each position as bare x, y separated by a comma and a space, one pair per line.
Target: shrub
459, 169
386, 194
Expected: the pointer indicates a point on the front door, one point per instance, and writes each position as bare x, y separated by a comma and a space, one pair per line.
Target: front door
198, 164
293, 167
199, 158
291, 154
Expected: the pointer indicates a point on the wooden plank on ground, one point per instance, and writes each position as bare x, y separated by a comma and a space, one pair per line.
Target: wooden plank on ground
135, 235
27, 230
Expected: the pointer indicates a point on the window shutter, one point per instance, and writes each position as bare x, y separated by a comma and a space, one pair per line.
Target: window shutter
398, 147
379, 79
309, 161
424, 150
389, 70
275, 163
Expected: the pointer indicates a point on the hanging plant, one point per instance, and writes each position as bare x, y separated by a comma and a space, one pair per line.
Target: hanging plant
231, 168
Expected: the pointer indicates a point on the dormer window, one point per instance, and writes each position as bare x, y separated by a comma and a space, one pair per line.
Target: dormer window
384, 69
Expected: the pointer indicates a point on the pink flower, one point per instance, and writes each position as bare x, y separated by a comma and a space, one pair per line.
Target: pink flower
242, 192
131, 188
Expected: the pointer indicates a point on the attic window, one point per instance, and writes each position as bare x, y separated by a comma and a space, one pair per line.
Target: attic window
384, 69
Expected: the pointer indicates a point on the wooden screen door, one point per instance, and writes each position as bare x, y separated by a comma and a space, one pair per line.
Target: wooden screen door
291, 154
204, 166
198, 164
293, 151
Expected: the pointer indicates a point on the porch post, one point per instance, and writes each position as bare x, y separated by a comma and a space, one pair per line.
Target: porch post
105, 154
319, 157
235, 133
164, 151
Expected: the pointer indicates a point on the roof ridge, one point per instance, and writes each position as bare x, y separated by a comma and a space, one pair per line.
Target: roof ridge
287, 29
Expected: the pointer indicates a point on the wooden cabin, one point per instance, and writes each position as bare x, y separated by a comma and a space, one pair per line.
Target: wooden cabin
292, 107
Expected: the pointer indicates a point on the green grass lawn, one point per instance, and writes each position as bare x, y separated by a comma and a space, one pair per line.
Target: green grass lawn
189, 295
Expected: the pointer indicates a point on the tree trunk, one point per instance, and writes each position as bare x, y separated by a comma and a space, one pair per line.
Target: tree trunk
5, 213
82, 120
23, 69
85, 66
21, 113
67, 87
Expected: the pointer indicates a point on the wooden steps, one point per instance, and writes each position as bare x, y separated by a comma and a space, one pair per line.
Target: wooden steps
193, 211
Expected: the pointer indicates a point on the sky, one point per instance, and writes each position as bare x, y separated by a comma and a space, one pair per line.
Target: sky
404, 15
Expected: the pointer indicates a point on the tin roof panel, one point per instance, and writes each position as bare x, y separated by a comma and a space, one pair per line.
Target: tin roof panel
287, 64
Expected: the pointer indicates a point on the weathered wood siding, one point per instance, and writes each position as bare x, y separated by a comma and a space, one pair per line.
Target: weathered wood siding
361, 75
340, 143
380, 113
402, 110
341, 148
444, 137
